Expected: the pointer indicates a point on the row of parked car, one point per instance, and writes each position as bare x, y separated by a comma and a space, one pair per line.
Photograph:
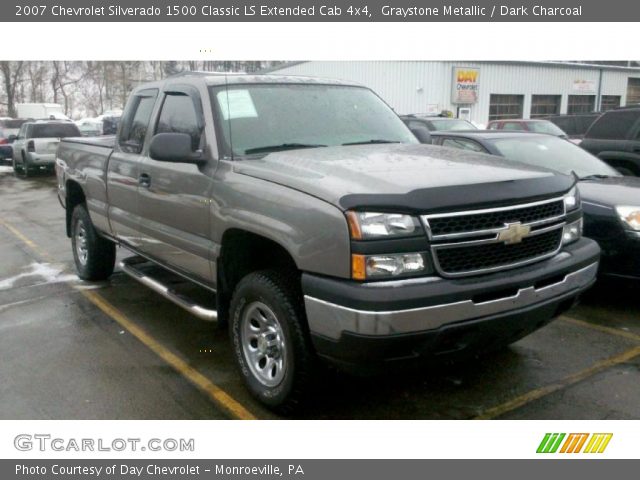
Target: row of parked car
30, 145
613, 136
606, 164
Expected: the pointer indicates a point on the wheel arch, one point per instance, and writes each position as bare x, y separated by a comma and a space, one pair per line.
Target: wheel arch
74, 196
241, 253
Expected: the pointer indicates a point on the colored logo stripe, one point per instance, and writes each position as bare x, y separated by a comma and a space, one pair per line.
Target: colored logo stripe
574, 443
595, 442
550, 442
598, 442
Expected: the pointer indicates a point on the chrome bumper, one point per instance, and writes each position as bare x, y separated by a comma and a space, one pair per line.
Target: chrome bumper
331, 320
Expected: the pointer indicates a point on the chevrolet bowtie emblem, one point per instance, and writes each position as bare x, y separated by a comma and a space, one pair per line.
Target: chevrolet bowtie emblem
513, 233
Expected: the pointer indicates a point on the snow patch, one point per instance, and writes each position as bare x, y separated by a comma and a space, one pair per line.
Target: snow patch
6, 169
45, 271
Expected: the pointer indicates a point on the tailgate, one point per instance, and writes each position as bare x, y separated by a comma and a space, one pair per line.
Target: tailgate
46, 145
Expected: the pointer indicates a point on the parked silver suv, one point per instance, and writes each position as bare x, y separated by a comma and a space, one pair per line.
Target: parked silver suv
35, 146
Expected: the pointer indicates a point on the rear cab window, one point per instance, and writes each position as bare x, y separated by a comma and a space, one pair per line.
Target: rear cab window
463, 144
513, 126
135, 122
53, 130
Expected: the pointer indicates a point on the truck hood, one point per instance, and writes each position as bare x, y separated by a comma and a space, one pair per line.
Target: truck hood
404, 176
611, 191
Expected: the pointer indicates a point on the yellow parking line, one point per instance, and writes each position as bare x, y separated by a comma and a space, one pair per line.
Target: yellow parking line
24, 239
218, 395
536, 394
602, 328
215, 393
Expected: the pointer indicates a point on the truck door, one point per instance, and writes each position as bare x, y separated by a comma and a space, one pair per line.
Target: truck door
174, 197
124, 167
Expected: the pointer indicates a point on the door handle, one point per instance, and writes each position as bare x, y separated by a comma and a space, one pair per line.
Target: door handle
144, 180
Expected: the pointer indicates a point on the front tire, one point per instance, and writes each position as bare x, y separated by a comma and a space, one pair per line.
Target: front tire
270, 340
94, 256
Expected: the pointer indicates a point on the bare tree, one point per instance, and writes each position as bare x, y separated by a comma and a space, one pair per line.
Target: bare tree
90, 88
12, 77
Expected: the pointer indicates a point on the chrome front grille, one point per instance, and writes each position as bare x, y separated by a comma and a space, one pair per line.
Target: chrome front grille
482, 241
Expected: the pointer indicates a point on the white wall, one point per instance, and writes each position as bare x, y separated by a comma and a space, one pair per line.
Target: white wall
410, 86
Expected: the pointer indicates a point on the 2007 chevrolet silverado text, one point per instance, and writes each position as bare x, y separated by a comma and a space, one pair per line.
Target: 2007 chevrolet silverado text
321, 225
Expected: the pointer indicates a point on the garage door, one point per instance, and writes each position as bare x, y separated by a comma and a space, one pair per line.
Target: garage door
633, 91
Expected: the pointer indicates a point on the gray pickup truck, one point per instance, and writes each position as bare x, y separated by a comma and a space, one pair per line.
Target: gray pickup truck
321, 226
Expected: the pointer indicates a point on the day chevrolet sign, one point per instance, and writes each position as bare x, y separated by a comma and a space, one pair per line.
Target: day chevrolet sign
574, 443
465, 85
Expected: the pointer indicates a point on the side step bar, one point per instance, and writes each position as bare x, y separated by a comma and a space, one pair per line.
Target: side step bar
128, 266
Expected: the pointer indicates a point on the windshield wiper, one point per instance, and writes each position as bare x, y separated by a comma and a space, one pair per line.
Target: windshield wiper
372, 141
594, 177
282, 146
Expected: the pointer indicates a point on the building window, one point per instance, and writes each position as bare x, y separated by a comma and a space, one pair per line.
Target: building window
505, 106
609, 102
633, 91
581, 104
545, 105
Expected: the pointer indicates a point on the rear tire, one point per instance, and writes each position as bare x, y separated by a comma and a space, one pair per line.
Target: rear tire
271, 343
16, 169
25, 166
94, 256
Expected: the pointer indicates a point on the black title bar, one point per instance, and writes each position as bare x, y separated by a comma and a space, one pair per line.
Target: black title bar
320, 11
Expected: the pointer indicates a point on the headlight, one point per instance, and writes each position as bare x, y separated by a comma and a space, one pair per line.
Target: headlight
572, 232
365, 267
372, 225
630, 216
572, 199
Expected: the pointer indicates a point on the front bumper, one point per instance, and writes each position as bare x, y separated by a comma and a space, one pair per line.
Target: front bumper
346, 318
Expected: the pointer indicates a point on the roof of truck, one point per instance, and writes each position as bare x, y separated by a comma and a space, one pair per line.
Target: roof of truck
217, 78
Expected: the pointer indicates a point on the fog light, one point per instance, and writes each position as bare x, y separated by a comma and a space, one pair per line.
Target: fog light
394, 265
572, 232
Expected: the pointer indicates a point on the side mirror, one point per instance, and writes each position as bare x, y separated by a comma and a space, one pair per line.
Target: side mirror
422, 134
174, 147
12, 138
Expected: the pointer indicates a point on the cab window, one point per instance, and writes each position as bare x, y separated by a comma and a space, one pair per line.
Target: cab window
515, 126
463, 144
136, 121
178, 115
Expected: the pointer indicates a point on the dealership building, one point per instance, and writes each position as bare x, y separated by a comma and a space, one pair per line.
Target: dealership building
488, 90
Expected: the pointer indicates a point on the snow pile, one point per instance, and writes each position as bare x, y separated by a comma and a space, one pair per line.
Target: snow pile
44, 271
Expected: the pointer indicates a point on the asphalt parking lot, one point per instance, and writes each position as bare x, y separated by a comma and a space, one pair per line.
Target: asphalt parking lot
115, 350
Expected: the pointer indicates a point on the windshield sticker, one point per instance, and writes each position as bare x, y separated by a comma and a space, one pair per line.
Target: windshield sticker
236, 104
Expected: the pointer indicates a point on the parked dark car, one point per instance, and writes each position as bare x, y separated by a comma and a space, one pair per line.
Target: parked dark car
8, 130
615, 138
528, 125
110, 124
611, 202
574, 125
437, 123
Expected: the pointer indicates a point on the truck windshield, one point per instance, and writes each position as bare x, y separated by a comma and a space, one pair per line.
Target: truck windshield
55, 130
263, 118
